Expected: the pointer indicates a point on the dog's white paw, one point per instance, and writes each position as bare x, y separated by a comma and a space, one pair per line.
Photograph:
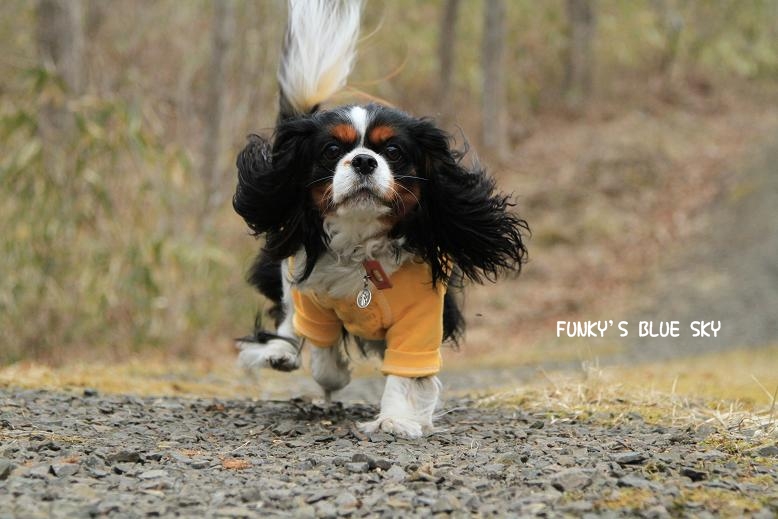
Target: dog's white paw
403, 427
275, 354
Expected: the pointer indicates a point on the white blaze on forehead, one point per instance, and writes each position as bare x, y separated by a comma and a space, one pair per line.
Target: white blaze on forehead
358, 116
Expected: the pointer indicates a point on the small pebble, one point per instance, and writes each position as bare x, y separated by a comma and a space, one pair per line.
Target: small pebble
62, 470
629, 458
6, 467
396, 473
151, 474
694, 474
358, 467
161, 457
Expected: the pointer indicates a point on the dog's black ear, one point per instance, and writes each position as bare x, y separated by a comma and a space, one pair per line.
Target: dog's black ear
272, 196
462, 218
257, 187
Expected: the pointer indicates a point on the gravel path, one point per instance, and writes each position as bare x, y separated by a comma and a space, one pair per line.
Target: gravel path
89, 455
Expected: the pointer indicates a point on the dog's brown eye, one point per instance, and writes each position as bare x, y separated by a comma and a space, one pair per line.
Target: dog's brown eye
393, 152
331, 151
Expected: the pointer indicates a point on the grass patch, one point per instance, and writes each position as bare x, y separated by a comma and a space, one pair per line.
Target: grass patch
631, 499
618, 395
150, 376
749, 376
719, 501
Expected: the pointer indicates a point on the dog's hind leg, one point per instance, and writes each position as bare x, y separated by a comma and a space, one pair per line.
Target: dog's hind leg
279, 351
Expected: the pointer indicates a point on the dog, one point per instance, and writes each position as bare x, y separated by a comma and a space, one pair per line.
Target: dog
372, 223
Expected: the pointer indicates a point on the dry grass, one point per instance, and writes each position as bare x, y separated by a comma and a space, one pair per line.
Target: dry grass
148, 376
731, 391
613, 395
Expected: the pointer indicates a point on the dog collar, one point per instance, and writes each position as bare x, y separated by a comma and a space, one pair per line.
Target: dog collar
375, 273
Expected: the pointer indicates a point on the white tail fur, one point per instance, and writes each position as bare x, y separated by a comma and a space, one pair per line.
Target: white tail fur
319, 50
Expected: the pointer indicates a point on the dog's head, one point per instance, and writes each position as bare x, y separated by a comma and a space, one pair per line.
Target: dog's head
363, 159
396, 173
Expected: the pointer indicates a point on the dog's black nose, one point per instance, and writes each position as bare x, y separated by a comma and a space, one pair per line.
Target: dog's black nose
364, 164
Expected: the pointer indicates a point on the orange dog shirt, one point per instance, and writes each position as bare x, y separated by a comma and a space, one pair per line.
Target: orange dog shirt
408, 316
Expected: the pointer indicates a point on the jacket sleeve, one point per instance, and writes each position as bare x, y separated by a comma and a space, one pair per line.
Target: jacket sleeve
413, 340
316, 323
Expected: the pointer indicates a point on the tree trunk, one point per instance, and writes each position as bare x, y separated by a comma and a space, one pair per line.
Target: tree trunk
446, 54
210, 173
493, 127
671, 25
60, 39
580, 56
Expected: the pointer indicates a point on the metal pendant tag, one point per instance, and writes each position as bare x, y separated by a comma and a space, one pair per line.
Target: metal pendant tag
364, 297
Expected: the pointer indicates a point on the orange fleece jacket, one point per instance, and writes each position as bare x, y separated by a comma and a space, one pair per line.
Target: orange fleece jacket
408, 316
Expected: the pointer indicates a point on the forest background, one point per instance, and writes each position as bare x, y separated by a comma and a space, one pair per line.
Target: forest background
620, 127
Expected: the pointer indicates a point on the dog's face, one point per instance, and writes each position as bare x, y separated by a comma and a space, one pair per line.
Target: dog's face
383, 168
364, 158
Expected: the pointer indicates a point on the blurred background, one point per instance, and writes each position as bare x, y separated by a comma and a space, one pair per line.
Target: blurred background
639, 139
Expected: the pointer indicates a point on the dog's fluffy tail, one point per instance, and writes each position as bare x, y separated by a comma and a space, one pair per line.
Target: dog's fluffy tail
319, 51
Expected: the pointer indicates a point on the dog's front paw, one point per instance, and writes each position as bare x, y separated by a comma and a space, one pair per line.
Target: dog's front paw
275, 354
403, 427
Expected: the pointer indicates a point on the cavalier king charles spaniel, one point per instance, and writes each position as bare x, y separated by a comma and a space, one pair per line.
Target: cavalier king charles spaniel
371, 223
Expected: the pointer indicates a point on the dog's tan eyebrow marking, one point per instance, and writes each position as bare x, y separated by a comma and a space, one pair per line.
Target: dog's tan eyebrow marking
381, 134
344, 133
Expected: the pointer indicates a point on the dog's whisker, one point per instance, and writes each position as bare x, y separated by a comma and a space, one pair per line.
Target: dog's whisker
331, 177
412, 177
418, 202
397, 202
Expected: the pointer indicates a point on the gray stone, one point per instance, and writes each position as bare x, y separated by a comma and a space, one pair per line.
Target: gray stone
152, 474
108, 506
125, 456
39, 471
233, 511
767, 451
396, 473
363, 458
634, 482
346, 501
250, 495
571, 479
98, 473
128, 469
494, 468
325, 509
694, 474
200, 463
383, 464
657, 512
629, 458
156, 484
321, 494
62, 470
358, 467
6, 467
445, 504
712, 455
578, 507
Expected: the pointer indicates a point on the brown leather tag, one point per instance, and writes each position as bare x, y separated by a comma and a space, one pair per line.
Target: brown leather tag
376, 273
